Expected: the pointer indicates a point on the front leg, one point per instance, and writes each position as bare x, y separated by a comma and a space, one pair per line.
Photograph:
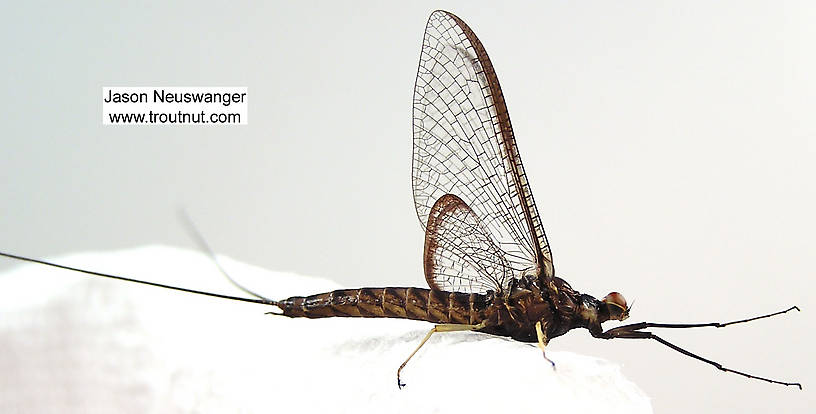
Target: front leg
634, 331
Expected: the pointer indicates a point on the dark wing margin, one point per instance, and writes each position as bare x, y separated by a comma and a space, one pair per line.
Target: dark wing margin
460, 255
464, 146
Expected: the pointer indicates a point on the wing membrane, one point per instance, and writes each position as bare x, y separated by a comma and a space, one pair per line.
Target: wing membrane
460, 254
464, 145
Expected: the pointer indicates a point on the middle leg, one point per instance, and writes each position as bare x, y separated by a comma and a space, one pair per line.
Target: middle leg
542, 342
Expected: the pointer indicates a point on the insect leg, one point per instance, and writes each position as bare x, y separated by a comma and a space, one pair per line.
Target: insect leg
542, 342
644, 325
636, 334
447, 327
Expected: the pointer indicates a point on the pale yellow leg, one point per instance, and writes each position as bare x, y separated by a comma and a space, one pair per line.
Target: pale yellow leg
447, 327
542, 342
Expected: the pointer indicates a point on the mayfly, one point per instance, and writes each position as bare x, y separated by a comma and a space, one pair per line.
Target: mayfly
486, 258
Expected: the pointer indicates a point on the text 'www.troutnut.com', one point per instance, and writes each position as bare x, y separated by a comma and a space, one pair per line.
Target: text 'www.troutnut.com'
147, 105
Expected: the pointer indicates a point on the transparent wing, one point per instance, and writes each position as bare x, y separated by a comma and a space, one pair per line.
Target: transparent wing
464, 145
460, 255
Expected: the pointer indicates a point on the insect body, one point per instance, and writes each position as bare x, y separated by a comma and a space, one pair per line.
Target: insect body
487, 261
514, 315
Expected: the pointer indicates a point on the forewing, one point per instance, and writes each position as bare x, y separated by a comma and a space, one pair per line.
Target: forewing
464, 144
460, 255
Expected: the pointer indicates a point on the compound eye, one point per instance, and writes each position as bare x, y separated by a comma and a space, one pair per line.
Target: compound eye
616, 305
616, 299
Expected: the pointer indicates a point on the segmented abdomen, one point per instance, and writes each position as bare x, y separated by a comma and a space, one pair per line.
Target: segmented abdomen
391, 302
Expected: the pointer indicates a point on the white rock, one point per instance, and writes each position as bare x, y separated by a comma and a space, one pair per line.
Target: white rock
77, 343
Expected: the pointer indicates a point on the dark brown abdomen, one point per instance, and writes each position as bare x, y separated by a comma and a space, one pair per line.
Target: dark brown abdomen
391, 302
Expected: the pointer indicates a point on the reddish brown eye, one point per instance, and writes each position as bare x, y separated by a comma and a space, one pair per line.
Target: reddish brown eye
616, 299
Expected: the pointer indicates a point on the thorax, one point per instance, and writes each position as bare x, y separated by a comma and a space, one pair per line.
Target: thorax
515, 313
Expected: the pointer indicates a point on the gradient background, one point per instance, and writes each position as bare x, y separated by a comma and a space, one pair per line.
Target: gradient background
670, 147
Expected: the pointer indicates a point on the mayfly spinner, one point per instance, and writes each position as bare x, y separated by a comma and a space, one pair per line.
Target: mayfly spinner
487, 260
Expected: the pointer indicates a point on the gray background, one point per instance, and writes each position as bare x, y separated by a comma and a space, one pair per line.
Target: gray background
670, 146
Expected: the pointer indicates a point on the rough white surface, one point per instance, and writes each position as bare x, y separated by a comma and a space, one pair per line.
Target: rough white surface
75, 343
